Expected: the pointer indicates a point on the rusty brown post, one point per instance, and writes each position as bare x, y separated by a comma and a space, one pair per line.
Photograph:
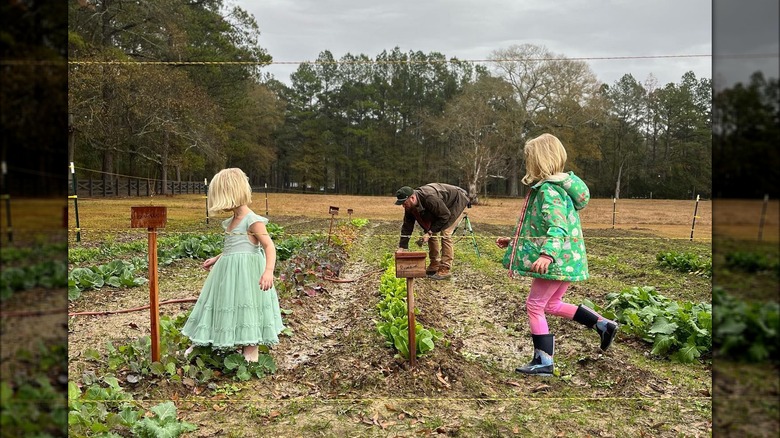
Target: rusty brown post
410, 265
151, 218
410, 319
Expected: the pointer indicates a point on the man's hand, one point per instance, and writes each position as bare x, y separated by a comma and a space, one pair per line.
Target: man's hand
541, 264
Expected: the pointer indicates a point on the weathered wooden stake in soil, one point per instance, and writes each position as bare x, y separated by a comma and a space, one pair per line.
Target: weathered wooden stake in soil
75, 198
151, 218
410, 265
206, 189
266, 198
332, 211
695, 210
614, 211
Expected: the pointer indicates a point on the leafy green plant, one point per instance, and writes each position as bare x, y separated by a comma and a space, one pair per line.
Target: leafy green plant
743, 330
287, 247
193, 247
359, 223
48, 274
104, 409
117, 273
32, 399
133, 361
304, 272
162, 424
686, 262
680, 330
751, 262
109, 250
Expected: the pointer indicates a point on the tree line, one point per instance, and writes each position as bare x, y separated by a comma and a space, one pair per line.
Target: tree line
359, 124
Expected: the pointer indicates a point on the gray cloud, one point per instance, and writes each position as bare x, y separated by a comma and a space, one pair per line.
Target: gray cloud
741, 28
298, 30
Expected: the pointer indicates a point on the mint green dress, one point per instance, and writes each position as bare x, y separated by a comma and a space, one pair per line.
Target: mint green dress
232, 310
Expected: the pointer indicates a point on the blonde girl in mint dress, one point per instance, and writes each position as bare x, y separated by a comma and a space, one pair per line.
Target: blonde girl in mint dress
238, 305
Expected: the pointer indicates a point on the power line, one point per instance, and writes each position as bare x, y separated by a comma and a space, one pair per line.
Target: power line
62, 62
426, 61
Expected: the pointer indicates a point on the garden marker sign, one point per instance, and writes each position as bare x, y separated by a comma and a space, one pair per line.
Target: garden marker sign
410, 265
151, 218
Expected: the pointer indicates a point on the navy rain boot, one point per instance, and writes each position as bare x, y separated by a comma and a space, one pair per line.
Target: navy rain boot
542, 363
605, 328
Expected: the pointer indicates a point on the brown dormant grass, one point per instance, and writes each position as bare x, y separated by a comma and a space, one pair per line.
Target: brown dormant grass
667, 218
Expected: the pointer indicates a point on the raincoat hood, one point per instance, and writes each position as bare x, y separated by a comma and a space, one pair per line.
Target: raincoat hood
572, 185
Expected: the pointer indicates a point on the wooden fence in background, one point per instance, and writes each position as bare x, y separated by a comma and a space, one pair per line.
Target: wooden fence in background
123, 186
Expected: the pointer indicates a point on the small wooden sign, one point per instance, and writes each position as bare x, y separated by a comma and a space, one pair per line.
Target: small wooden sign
148, 217
333, 210
350, 211
410, 264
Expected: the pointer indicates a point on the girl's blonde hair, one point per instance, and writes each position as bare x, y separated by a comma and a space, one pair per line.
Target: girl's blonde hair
544, 157
229, 189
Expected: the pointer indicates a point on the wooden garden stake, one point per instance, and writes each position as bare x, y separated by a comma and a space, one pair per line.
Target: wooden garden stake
410, 320
206, 189
410, 265
349, 212
614, 211
151, 218
332, 211
695, 210
75, 197
266, 198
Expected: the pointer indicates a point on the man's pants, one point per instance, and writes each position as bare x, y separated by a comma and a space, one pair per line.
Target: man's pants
442, 252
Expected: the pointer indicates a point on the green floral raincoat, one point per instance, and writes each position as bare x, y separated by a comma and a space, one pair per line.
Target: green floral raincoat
551, 226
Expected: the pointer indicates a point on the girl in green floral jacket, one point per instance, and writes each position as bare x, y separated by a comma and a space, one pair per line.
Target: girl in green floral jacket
548, 246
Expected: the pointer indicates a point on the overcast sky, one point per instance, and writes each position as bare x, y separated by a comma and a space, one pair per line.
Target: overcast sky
745, 27
298, 30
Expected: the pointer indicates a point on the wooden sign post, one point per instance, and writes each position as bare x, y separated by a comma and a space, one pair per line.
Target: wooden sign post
410, 265
151, 218
332, 211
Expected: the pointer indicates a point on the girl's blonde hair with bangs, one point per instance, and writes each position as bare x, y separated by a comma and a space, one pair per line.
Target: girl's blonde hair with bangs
229, 189
544, 156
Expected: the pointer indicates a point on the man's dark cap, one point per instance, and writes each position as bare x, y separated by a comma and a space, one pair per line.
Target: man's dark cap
403, 193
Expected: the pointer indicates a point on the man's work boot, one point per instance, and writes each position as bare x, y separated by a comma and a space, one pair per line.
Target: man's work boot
442, 274
432, 268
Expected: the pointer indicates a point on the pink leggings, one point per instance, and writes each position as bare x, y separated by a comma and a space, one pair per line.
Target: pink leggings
545, 297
